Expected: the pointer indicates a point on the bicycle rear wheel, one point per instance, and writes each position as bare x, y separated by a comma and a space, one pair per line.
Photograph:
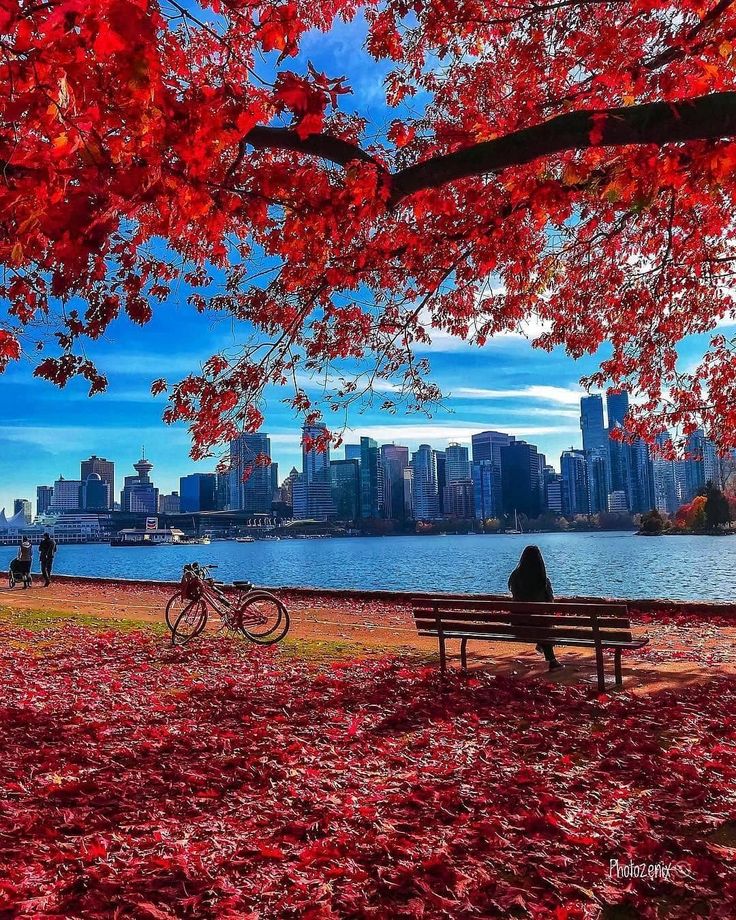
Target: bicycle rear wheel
190, 622
174, 607
263, 618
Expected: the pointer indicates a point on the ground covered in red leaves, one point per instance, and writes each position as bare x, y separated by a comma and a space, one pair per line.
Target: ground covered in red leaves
226, 781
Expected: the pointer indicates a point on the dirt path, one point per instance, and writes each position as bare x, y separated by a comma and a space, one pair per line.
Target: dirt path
680, 653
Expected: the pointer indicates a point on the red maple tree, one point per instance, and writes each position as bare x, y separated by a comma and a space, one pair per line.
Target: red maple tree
570, 162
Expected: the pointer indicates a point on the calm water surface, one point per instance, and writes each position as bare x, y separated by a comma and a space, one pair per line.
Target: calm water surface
608, 564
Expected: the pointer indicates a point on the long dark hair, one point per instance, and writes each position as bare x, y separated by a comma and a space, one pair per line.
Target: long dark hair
529, 578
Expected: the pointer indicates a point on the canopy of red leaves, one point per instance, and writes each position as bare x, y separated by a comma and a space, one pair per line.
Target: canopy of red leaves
224, 781
130, 121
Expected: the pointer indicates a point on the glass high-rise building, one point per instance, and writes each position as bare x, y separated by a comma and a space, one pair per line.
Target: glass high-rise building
312, 492
250, 474
595, 436
394, 461
575, 490
345, 489
44, 497
105, 470
487, 445
520, 480
425, 489
457, 463
198, 492
23, 505
371, 498
484, 502
663, 478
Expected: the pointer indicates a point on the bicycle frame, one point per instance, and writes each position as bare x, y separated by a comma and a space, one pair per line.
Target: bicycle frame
197, 584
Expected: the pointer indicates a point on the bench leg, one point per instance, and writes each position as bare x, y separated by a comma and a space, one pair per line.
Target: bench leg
464, 654
599, 668
443, 659
617, 666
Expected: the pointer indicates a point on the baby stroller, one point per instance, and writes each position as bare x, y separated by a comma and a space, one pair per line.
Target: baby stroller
19, 572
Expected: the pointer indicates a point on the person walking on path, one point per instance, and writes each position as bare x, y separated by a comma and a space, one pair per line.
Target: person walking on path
25, 558
529, 582
46, 552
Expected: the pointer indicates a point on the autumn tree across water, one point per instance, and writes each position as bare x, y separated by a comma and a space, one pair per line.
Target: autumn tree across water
570, 163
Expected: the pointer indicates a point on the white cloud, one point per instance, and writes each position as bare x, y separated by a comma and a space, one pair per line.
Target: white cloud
568, 396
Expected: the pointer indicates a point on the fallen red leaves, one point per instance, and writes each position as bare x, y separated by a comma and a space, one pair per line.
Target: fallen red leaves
226, 781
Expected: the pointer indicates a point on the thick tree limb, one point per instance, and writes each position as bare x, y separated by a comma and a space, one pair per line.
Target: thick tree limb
319, 145
658, 123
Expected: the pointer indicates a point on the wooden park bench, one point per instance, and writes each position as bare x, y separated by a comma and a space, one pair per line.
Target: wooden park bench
596, 625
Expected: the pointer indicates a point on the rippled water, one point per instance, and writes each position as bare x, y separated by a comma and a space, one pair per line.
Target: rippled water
608, 564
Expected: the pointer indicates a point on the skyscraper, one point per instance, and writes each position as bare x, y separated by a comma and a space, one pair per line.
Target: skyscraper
105, 470
44, 497
345, 489
95, 494
575, 493
617, 405
394, 462
426, 499
483, 496
595, 436
663, 476
198, 492
24, 506
371, 499
639, 477
520, 482
250, 474
66, 495
457, 463
312, 492
487, 445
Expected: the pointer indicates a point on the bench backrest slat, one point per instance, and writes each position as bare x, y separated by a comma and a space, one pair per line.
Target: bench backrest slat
455, 616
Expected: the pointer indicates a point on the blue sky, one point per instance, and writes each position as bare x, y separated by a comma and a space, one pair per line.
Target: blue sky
507, 385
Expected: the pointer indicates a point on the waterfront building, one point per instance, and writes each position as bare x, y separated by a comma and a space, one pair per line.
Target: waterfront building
553, 494
487, 445
425, 489
408, 493
596, 460
575, 489
663, 478
371, 497
457, 463
595, 436
483, 484
95, 494
274, 481
639, 477
459, 500
44, 497
617, 406
23, 506
198, 492
222, 493
105, 470
139, 493
312, 492
394, 461
250, 475
345, 487
617, 503
441, 462
286, 490
66, 495
170, 504
353, 452
520, 480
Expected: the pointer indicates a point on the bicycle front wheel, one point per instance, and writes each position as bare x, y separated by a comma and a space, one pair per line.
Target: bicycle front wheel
263, 618
190, 622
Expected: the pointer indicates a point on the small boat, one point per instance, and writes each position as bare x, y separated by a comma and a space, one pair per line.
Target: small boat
245, 540
516, 528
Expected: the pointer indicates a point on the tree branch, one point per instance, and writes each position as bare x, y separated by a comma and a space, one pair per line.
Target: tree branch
319, 145
659, 123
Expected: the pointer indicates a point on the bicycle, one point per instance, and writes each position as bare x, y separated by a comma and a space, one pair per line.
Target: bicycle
257, 614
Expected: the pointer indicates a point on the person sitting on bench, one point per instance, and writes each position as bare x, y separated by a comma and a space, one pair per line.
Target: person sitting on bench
528, 582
